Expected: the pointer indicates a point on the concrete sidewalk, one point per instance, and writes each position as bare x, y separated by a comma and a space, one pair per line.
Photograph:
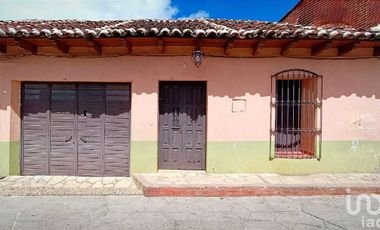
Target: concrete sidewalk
193, 183
67, 185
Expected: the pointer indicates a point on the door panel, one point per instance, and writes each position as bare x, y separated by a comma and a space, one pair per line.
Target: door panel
117, 130
35, 147
182, 125
170, 129
62, 129
90, 130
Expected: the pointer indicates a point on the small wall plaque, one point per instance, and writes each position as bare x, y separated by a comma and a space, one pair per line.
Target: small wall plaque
238, 105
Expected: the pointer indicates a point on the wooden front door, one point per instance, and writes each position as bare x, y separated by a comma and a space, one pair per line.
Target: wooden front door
182, 125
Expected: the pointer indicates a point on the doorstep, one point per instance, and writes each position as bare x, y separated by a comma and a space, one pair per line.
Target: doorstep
193, 183
67, 185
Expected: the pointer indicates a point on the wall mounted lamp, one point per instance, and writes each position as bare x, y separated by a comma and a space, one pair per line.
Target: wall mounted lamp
197, 57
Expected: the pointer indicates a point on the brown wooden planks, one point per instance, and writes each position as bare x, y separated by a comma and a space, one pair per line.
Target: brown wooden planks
117, 129
35, 99
76, 129
62, 129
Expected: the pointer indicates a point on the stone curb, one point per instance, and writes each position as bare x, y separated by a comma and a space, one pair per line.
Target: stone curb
139, 182
261, 187
255, 191
46, 191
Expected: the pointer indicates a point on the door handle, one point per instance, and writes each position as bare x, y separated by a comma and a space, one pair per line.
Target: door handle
83, 139
68, 139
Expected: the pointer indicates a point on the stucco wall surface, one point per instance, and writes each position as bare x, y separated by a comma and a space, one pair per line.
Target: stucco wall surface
237, 141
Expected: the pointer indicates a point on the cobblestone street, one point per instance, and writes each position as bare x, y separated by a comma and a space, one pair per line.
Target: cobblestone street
138, 212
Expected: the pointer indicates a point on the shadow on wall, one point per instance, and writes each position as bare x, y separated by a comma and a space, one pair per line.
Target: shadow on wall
226, 77
236, 77
87, 101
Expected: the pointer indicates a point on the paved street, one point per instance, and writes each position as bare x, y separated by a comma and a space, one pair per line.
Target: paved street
138, 212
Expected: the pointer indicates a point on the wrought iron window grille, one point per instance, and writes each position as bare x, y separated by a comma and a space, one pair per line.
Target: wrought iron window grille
296, 114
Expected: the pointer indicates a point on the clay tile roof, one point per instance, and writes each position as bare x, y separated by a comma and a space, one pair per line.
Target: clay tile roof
211, 28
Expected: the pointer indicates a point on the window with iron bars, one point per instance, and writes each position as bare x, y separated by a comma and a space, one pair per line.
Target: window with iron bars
296, 114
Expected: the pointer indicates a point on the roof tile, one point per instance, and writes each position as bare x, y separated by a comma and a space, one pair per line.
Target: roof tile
213, 28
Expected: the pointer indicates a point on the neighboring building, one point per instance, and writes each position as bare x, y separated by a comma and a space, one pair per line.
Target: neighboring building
118, 97
359, 14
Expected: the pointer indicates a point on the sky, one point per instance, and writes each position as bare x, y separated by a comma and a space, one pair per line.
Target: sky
266, 10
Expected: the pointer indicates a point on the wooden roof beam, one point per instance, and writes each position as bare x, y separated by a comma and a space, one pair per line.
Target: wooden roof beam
161, 45
376, 51
318, 49
287, 46
61, 45
26, 45
198, 43
96, 46
347, 48
257, 47
228, 46
126, 44
3, 48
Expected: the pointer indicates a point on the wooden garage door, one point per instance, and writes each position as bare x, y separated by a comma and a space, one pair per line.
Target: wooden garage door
182, 136
75, 129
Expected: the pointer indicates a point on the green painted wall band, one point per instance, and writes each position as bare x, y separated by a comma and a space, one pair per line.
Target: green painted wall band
241, 157
253, 157
10, 158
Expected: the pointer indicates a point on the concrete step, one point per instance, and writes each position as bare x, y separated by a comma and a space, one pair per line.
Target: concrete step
220, 185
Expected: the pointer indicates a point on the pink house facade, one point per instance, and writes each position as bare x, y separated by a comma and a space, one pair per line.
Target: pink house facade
121, 97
